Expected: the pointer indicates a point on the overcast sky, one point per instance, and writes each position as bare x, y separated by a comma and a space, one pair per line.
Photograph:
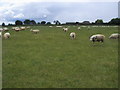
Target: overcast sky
62, 10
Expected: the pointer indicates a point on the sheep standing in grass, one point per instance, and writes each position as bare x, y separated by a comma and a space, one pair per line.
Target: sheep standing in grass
97, 38
72, 35
78, 28
5, 29
35, 31
17, 29
65, 29
7, 35
0, 34
22, 28
114, 36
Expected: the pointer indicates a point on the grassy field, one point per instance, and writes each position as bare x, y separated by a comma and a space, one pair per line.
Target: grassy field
51, 59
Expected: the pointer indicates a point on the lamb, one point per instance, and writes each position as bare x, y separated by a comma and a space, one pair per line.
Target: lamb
97, 38
35, 31
72, 35
114, 36
7, 35
65, 29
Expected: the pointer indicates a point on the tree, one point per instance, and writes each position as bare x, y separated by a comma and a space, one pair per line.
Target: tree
43, 22
99, 21
48, 23
3, 24
27, 22
38, 23
57, 22
115, 21
32, 22
18, 22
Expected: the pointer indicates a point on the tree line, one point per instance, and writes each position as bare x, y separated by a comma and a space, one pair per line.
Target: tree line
114, 21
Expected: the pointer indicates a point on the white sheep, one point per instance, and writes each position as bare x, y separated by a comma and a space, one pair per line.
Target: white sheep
59, 26
35, 31
7, 35
114, 36
17, 29
28, 27
0, 34
5, 29
1, 29
97, 38
65, 29
22, 28
50, 26
72, 35
78, 28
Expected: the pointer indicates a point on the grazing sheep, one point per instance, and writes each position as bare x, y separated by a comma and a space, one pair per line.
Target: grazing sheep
1, 29
17, 29
22, 28
35, 31
28, 27
50, 26
78, 28
59, 26
72, 35
5, 29
97, 38
7, 35
65, 29
114, 36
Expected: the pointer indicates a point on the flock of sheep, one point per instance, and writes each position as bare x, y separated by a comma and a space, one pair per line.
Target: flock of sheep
93, 38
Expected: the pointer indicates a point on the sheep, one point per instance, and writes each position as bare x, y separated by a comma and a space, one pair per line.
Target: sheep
17, 29
28, 27
114, 36
59, 26
72, 35
7, 35
22, 28
65, 29
78, 28
1, 29
35, 31
97, 38
0, 34
5, 29
50, 26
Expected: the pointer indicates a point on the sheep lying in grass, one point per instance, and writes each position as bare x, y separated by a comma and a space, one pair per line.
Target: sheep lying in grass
7, 35
35, 31
114, 36
97, 38
65, 29
72, 35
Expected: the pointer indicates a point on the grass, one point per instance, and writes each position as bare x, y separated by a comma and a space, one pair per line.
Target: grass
51, 59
